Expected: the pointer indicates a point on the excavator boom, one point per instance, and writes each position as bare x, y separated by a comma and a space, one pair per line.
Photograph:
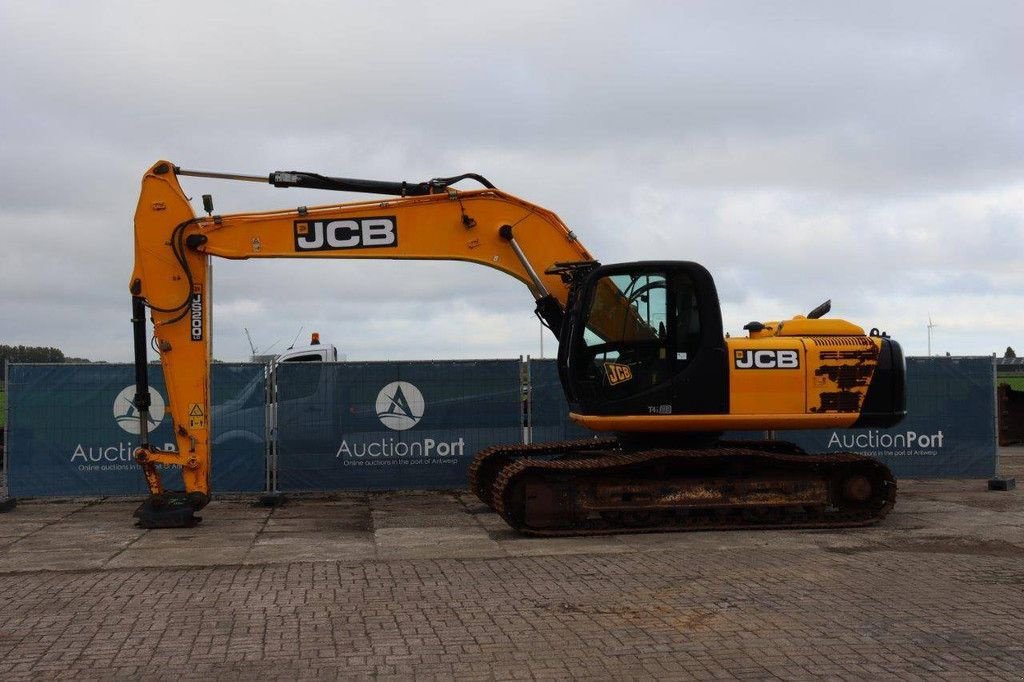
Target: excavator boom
429, 220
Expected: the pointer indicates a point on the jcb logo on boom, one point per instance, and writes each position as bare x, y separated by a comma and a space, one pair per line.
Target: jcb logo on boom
357, 233
767, 359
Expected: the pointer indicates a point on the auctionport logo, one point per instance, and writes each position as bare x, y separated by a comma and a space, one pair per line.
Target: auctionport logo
400, 406
127, 416
878, 440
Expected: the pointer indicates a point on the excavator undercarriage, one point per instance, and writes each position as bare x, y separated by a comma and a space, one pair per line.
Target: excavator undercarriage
601, 486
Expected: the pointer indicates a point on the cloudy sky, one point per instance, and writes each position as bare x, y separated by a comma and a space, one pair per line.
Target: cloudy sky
864, 152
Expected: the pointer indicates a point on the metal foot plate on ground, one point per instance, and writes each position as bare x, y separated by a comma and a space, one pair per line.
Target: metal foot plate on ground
169, 510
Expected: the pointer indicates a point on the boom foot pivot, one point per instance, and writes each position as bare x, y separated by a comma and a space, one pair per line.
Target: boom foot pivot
170, 510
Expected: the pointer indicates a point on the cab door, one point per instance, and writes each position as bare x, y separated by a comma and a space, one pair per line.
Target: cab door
646, 338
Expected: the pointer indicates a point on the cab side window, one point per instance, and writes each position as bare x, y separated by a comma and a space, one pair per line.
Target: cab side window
648, 322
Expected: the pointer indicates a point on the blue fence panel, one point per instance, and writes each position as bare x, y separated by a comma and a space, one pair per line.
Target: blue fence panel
239, 420
391, 425
72, 429
949, 431
549, 412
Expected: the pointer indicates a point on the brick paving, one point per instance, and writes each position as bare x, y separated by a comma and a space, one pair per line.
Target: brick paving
936, 592
667, 614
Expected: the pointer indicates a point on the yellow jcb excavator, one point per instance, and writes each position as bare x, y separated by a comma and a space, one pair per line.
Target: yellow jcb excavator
642, 358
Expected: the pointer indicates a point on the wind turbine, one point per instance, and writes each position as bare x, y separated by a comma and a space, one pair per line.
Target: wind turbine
930, 326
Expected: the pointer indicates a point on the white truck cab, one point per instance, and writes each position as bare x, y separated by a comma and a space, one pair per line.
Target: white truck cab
251, 415
314, 352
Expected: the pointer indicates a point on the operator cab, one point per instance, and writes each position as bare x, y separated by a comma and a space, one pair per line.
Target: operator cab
645, 338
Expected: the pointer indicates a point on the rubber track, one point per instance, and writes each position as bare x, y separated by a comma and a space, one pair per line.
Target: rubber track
487, 463
623, 461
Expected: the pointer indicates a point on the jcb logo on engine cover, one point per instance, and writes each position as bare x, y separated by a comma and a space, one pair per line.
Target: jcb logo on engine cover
617, 373
356, 233
767, 359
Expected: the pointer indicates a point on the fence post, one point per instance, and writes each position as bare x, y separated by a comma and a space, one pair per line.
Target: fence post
1002, 420
3, 445
268, 431
271, 496
998, 482
6, 503
526, 390
274, 428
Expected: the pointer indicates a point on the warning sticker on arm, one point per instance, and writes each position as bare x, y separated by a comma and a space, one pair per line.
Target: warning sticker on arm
196, 416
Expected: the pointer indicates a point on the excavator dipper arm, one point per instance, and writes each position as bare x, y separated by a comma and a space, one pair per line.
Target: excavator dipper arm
171, 277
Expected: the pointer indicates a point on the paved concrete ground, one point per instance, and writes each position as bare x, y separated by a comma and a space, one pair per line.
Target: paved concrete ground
433, 585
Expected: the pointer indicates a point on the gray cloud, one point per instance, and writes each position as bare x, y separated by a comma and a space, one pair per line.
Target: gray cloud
869, 153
